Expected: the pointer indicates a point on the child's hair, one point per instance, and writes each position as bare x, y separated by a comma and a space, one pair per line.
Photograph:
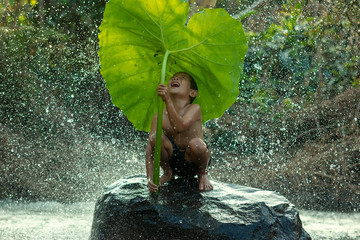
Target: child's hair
193, 84
192, 81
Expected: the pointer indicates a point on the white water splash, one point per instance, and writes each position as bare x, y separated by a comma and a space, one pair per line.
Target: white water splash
56, 221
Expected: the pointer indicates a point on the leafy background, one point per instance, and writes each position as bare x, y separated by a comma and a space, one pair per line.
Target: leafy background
294, 128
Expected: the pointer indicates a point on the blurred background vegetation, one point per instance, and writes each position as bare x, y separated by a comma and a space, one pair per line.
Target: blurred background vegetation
294, 128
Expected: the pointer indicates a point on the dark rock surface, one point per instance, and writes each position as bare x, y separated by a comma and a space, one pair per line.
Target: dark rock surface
126, 210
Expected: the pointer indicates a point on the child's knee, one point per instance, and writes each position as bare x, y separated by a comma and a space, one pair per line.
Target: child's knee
164, 140
197, 146
152, 140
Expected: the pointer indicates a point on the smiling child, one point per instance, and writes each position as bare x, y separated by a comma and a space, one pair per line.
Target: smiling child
183, 151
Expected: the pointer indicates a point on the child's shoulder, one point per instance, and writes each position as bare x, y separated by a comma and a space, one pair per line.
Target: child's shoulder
194, 106
194, 109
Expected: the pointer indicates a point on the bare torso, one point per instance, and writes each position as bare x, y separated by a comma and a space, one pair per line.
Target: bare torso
182, 139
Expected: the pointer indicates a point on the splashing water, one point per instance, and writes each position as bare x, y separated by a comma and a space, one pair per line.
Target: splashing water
294, 128
56, 221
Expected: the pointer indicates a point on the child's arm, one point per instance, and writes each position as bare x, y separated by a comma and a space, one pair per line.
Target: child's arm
179, 123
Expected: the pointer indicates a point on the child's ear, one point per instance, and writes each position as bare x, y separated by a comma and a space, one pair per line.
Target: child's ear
193, 93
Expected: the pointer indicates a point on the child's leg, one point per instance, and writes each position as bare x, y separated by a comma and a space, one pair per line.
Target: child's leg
198, 154
166, 153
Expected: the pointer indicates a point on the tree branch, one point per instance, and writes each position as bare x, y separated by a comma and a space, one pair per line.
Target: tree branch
253, 7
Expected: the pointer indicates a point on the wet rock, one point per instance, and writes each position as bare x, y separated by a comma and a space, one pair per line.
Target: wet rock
126, 210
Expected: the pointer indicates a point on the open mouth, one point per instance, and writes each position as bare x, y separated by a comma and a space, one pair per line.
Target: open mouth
175, 84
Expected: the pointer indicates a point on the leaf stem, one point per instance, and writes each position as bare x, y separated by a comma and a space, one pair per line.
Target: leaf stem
160, 104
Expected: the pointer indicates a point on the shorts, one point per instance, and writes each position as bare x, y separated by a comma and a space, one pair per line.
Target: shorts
178, 164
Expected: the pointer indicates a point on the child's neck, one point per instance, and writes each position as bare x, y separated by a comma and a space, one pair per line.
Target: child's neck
180, 103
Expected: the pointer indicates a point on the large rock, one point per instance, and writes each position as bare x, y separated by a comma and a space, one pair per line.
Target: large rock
126, 210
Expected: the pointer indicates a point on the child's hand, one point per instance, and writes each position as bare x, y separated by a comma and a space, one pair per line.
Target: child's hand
163, 92
152, 186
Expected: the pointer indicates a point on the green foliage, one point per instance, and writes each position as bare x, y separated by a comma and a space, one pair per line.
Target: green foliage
13, 12
299, 57
76, 17
297, 62
80, 17
234, 6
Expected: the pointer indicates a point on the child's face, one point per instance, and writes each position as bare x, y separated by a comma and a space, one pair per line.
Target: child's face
180, 83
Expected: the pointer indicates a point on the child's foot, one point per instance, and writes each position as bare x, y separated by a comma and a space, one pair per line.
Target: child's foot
165, 178
204, 183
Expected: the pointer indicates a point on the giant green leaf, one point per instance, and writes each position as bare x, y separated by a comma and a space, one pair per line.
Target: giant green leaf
144, 42
136, 35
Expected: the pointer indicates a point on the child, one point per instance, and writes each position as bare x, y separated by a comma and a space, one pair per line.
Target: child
183, 151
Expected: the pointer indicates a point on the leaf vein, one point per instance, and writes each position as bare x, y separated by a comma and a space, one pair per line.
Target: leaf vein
145, 28
204, 40
209, 60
